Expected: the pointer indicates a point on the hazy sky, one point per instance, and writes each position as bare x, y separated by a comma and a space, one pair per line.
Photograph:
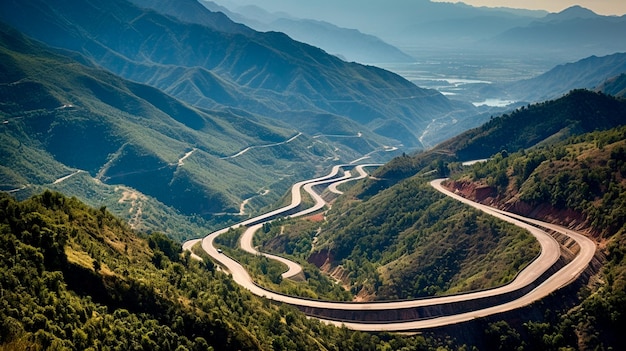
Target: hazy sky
603, 7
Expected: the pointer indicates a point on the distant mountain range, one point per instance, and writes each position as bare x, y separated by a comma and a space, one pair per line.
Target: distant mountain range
188, 107
588, 73
349, 44
423, 27
403, 23
573, 33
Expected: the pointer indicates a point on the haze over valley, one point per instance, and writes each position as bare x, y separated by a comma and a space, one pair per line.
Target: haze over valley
457, 49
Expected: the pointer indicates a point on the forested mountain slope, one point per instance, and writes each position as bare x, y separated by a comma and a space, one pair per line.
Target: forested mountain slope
77, 278
579, 111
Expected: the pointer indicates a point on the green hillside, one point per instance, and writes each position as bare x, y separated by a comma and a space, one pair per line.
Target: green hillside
579, 183
408, 241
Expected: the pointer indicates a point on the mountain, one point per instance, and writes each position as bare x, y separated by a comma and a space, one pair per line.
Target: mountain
349, 44
571, 13
570, 34
587, 73
419, 25
64, 116
460, 32
263, 73
580, 111
578, 183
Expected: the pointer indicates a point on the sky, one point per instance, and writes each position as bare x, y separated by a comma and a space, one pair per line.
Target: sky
602, 7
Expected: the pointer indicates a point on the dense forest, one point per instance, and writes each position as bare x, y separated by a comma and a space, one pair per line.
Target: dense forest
73, 277
583, 176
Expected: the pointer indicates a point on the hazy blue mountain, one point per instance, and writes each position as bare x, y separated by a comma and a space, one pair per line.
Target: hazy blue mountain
571, 34
570, 13
194, 12
401, 23
462, 32
587, 73
615, 86
263, 73
349, 44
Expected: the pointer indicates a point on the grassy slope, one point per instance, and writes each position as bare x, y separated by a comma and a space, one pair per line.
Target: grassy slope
126, 133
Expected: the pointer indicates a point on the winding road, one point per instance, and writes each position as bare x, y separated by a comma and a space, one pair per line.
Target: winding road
550, 253
261, 146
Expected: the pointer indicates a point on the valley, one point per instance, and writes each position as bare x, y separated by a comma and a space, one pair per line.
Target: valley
469, 76
200, 175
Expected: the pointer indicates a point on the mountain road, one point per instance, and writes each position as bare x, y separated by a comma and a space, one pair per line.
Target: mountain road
550, 253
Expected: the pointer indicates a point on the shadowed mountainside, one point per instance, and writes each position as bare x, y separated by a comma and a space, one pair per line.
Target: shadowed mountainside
194, 59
